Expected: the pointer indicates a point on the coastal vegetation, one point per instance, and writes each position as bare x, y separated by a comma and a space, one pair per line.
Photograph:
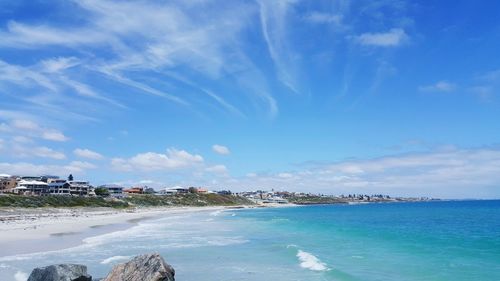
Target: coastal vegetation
188, 199
139, 200
58, 201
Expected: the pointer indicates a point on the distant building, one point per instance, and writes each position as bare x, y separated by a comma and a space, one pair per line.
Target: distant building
47, 178
134, 190
31, 187
31, 178
202, 190
182, 190
224, 192
58, 187
7, 183
81, 188
169, 191
114, 190
275, 200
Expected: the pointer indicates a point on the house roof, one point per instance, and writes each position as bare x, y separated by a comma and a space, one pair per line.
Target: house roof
25, 182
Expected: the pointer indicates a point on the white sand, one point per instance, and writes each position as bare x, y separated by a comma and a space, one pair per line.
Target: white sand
28, 224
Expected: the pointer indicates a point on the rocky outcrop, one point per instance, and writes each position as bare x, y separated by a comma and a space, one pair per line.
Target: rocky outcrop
149, 267
60, 272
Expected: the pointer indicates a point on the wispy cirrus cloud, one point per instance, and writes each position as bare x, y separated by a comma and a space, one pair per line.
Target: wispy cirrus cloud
392, 38
273, 19
165, 36
440, 86
324, 18
486, 85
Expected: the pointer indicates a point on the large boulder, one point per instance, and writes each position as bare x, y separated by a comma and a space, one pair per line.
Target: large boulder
149, 267
60, 272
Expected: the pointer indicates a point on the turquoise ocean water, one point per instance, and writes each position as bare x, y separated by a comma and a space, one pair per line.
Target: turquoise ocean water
399, 241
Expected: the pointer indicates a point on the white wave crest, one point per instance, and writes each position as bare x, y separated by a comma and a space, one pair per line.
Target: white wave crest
114, 259
20, 276
215, 213
309, 261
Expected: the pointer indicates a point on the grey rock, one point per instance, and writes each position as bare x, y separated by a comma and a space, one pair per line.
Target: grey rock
149, 267
60, 272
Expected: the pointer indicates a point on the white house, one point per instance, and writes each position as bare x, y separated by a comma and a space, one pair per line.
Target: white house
31, 187
58, 187
169, 191
81, 188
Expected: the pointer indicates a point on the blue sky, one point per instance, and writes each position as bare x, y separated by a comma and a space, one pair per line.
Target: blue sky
383, 96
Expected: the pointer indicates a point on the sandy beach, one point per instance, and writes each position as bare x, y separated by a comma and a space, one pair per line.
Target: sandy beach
32, 225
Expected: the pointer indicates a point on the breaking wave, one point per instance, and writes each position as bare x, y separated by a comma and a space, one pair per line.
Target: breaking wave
311, 262
115, 259
20, 276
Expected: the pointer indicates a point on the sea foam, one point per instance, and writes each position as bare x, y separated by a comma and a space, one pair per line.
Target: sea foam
309, 261
20, 276
115, 259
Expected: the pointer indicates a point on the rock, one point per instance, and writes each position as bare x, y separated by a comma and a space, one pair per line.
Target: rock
149, 267
60, 272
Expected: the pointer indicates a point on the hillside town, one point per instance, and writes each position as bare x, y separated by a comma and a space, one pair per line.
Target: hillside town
50, 185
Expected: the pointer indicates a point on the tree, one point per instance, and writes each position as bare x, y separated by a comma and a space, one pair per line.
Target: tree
101, 191
149, 190
70, 177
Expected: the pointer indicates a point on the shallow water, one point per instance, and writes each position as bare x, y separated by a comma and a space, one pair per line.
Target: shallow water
399, 241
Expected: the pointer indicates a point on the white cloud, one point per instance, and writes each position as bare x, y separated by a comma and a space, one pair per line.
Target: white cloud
392, 38
220, 149
24, 147
54, 135
24, 168
217, 169
319, 17
150, 161
46, 152
80, 166
484, 93
21, 139
31, 128
491, 76
87, 153
440, 86
445, 173
285, 175
487, 85
25, 125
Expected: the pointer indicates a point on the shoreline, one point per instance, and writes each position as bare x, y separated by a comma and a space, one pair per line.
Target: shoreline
42, 229
49, 229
